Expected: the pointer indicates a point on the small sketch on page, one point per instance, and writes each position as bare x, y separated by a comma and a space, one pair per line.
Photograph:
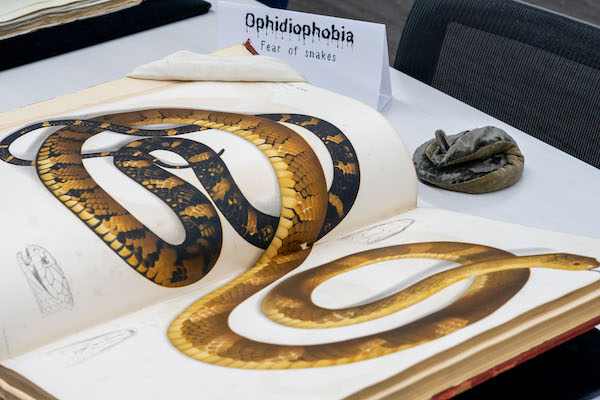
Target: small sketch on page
46, 279
380, 232
79, 352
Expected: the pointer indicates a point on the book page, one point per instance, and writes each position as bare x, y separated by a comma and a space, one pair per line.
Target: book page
133, 356
20, 17
66, 267
14, 9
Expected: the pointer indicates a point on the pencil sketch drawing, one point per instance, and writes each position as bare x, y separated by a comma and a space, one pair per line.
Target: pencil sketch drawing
79, 352
380, 232
46, 280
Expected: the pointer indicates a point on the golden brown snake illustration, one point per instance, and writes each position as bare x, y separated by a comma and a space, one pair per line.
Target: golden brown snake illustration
59, 164
202, 331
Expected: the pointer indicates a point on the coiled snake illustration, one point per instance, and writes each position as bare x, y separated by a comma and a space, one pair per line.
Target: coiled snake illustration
59, 164
308, 212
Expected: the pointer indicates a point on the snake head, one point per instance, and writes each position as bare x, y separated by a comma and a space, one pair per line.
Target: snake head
576, 263
34, 259
35, 255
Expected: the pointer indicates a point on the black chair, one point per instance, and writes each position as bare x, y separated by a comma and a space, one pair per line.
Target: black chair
534, 69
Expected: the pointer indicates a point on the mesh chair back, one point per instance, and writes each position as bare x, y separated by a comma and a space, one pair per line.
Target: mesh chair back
534, 69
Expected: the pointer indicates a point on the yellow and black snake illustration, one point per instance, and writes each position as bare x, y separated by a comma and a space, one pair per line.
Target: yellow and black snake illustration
308, 211
59, 164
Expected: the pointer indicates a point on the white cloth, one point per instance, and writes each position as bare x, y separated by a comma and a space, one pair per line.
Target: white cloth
187, 66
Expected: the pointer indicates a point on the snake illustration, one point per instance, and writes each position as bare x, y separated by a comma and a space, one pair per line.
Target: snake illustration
59, 164
203, 333
346, 172
308, 211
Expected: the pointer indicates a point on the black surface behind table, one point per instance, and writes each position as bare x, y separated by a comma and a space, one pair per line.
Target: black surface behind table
570, 371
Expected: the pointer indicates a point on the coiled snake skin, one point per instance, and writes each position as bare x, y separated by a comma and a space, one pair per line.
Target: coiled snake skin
308, 212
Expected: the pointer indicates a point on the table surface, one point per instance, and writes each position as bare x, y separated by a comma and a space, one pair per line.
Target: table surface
557, 192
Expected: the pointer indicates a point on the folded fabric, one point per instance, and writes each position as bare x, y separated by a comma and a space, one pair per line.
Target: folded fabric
478, 161
187, 66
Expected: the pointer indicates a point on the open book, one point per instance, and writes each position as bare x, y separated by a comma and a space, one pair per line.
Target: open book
229, 240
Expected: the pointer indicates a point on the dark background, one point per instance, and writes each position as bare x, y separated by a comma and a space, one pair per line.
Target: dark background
393, 13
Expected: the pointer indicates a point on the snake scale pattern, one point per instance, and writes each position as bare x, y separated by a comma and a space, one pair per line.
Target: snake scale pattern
308, 212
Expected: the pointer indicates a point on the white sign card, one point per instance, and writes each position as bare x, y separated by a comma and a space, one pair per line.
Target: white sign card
346, 56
